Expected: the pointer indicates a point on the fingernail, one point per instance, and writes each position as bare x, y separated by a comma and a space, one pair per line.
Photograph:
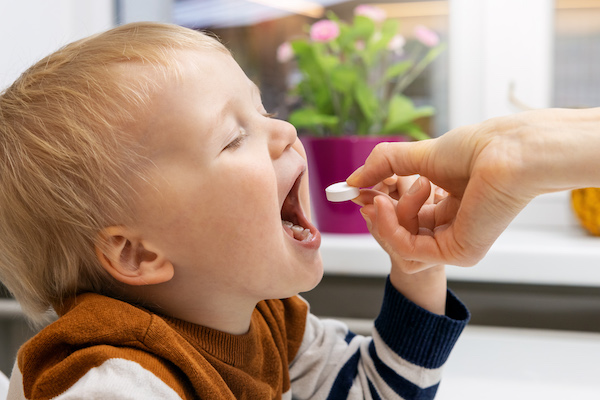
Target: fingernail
415, 187
391, 180
356, 173
358, 201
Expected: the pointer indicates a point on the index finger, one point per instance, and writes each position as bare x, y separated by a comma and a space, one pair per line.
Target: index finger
388, 158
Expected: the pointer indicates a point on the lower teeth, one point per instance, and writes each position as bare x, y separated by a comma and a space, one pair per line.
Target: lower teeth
299, 232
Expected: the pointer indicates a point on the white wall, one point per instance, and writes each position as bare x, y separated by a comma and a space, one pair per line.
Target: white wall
31, 29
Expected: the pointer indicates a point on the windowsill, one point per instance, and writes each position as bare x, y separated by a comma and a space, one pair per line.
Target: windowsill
545, 256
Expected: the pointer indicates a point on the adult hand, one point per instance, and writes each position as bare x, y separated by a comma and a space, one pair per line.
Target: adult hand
490, 170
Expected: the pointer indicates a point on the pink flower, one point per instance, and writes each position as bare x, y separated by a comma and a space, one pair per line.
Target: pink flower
426, 36
375, 13
285, 52
397, 44
324, 31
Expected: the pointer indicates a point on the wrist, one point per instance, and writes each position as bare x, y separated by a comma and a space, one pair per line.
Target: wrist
561, 149
427, 288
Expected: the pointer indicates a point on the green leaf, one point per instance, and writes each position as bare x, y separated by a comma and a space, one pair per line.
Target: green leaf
397, 69
388, 30
309, 118
346, 37
434, 52
314, 88
327, 62
343, 78
363, 28
367, 101
300, 47
401, 112
346, 104
307, 59
410, 129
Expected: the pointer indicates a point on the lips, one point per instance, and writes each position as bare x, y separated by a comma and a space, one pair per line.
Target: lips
293, 220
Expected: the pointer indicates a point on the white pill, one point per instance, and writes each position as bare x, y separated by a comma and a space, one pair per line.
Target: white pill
341, 191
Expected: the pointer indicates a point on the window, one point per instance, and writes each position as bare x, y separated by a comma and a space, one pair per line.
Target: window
254, 29
577, 54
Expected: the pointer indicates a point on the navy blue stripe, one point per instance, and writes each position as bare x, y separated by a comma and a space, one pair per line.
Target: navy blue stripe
350, 336
343, 382
374, 394
403, 387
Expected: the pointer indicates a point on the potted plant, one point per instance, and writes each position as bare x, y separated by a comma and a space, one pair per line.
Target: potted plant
350, 97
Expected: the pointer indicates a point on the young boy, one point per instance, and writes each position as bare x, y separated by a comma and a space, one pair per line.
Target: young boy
147, 197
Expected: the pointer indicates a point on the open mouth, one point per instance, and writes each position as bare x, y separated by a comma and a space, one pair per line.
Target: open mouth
294, 222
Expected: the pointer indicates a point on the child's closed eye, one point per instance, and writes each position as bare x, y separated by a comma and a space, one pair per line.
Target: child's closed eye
237, 141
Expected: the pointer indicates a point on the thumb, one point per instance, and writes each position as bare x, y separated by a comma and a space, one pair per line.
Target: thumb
388, 158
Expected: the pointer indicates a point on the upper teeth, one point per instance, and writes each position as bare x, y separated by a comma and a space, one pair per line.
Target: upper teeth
299, 232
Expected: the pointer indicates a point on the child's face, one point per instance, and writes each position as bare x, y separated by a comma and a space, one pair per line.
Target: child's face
223, 171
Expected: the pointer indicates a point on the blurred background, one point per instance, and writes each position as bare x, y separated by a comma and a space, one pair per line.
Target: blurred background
538, 290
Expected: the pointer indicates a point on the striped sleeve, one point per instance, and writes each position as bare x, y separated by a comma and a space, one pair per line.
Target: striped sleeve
401, 360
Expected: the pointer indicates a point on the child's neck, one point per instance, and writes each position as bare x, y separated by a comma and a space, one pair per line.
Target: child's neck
220, 312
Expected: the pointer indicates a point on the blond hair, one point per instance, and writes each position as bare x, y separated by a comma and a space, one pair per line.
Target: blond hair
66, 160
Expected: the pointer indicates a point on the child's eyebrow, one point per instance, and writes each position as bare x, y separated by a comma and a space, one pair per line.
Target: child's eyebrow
222, 114
255, 94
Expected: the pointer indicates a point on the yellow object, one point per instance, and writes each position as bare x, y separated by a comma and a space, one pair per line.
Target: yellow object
586, 204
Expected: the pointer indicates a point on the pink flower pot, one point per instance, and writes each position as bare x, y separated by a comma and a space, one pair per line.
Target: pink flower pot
330, 160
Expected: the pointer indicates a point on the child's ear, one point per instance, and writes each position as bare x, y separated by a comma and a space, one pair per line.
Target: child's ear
131, 260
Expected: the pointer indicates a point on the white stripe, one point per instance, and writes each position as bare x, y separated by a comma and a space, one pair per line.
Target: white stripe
321, 356
119, 379
15, 387
420, 376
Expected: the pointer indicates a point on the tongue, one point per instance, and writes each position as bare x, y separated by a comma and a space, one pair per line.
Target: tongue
296, 231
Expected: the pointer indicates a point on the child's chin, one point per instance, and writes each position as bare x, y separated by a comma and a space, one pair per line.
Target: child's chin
317, 276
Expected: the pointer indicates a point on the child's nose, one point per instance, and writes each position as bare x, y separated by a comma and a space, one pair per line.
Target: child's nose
282, 136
